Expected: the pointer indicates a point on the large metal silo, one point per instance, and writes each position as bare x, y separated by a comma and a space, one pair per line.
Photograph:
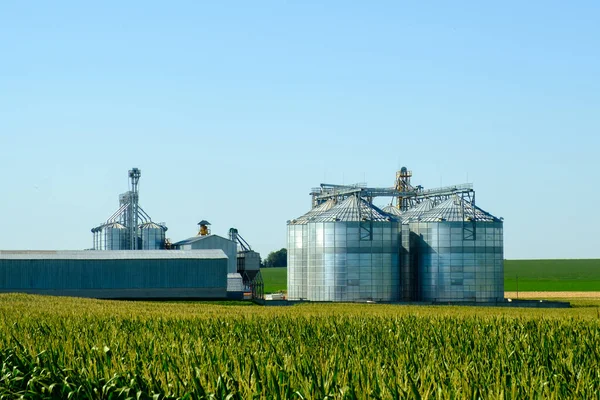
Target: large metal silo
353, 253
111, 236
297, 252
460, 253
152, 235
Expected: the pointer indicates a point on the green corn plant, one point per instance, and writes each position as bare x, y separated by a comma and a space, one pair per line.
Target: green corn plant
56, 348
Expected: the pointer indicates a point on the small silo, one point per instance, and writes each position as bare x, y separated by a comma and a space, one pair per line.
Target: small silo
152, 236
460, 253
110, 236
297, 252
353, 253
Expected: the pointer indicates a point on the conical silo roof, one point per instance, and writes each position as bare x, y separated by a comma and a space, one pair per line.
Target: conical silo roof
321, 208
418, 210
108, 225
456, 209
353, 209
392, 210
152, 225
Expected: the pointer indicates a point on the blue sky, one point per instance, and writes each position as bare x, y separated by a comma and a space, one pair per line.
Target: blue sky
234, 110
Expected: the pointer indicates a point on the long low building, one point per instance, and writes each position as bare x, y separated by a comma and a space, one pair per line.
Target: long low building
120, 274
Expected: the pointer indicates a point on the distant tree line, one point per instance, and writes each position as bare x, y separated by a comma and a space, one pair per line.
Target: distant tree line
275, 259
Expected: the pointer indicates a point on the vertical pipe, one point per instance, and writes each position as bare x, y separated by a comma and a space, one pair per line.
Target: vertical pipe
134, 175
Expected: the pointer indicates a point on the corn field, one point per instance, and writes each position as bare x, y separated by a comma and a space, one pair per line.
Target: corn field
64, 348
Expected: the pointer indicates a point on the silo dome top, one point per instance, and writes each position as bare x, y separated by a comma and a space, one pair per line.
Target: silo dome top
418, 210
457, 209
152, 225
392, 210
321, 208
354, 209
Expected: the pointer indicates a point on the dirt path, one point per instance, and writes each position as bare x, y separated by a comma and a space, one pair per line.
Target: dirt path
553, 295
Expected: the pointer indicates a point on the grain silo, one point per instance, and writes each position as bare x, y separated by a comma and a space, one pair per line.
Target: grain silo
297, 252
135, 227
110, 236
352, 253
152, 235
460, 253
429, 244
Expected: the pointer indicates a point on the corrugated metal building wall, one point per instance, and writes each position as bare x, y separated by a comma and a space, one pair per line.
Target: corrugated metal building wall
229, 247
116, 274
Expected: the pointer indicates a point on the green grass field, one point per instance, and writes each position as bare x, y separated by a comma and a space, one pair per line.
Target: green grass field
533, 276
552, 275
67, 348
275, 279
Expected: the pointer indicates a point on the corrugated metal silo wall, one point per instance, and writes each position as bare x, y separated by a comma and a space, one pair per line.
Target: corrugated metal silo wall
114, 278
109, 238
304, 261
453, 268
345, 266
291, 262
152, 238
408, 266
297, 262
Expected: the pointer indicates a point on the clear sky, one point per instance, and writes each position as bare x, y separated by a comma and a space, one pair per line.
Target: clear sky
234, 110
